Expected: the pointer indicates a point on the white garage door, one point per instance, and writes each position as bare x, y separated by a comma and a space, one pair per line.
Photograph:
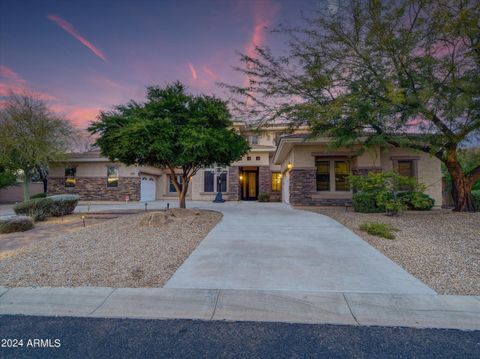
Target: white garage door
286, 188
147, 189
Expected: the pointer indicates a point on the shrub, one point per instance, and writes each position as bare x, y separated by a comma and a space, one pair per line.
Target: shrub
38, 208
263, 197
365, 202
63, 204
39, 195
378, 229
476, 200
12, 224
417, 200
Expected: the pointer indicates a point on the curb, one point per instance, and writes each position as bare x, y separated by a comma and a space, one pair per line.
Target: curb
365, 309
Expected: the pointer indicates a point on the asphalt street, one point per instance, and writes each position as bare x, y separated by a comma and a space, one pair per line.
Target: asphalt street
136, 338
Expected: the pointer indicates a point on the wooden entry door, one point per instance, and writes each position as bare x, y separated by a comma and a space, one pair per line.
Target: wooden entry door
249, 185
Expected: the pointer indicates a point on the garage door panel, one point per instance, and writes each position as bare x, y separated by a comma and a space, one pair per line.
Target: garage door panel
147, 189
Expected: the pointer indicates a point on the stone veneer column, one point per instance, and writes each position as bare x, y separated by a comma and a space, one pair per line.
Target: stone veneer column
234, 183
302, 185
95, 188
265, 183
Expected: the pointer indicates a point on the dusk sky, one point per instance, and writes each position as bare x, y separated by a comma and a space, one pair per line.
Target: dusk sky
85, 56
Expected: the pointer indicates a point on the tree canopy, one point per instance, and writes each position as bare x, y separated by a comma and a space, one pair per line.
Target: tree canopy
172, 129
394, 73
31, 136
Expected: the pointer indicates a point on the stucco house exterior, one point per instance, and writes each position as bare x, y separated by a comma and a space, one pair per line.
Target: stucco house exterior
290, 167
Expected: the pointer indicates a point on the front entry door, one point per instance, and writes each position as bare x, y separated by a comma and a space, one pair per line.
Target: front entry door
249, 185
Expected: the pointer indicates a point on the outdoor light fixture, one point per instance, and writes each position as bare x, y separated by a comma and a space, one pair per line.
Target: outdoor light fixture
241, 177
289, 165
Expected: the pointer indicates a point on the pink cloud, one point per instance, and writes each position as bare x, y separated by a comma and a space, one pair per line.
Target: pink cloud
65, 25
210, 73
192, 71
7, 89
79, 116
11, 75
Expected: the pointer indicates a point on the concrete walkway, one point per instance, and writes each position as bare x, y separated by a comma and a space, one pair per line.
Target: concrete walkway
270, 246
408, 310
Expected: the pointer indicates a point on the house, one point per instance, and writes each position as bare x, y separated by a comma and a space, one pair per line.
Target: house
290, 167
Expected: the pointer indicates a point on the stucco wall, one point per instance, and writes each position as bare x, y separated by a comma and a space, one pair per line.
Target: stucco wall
428, 170
14, 194
263, 161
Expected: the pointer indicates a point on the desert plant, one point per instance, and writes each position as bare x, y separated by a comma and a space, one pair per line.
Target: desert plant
378, 229
39, 195
12, 224
63, 204
476, 199
263, 197
365, 202
417, 200
38, 209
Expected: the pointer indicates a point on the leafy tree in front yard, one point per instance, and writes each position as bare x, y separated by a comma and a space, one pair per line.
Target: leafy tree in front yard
393, 73
6, 178
172, 130
31, 137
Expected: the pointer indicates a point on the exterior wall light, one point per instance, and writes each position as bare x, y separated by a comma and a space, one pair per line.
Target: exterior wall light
241, 177
289, 165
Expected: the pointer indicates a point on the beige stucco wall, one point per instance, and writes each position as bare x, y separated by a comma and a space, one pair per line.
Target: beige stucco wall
264, 159
14, 194
428, 170
94, 169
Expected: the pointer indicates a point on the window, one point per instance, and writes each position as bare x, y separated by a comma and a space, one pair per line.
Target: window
212, 182
257, 158
323, 175
405, 168
70, 173
253, 139
249, 158
112, 177
172, 187
276, 181
222, 182
342, 171
208, 181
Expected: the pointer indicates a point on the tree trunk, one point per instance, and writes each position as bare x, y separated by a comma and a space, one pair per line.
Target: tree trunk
461, 186
26, 186
183, 194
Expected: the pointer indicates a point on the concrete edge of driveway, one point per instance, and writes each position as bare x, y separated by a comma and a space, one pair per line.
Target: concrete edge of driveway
405, 310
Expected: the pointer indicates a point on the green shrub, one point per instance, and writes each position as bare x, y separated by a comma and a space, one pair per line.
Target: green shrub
39, 195
38, 208
63, 204
476, 200
365, 202
417, 200
378, 229
12, 224
263, 197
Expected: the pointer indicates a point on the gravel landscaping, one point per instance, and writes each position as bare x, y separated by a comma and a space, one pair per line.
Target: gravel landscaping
439, 247
138, 250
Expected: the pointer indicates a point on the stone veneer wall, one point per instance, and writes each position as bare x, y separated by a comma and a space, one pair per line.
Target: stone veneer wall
234, 183
265, 183
95, 188
303, 185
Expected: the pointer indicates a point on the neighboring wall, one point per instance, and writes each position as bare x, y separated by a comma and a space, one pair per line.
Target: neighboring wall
14, 194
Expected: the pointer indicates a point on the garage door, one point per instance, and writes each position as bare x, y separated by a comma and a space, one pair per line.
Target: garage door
286, 188
147, 189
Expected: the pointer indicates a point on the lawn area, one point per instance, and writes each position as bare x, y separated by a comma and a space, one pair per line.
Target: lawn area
439, 247
136, 250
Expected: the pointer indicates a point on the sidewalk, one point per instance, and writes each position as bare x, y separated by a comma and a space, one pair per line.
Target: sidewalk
406, 310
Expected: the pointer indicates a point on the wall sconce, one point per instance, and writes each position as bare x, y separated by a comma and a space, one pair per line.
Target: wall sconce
289, 166
241, 177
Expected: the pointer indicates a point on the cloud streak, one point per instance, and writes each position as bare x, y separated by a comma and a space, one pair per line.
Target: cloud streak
11, 75
192, 71
68, 27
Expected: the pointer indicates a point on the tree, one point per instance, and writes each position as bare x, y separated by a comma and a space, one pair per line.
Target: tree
6, 178
31, 137
392, 73
172, 130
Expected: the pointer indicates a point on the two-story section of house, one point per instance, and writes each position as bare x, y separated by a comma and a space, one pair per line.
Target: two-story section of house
288, 165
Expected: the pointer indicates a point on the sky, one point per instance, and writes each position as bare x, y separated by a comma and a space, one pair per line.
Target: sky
87, 56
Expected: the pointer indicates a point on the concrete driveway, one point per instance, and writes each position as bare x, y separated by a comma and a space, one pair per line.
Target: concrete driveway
271, 246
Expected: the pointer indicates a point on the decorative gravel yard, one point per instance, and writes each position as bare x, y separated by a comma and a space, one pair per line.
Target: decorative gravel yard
439, 247
138, 250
